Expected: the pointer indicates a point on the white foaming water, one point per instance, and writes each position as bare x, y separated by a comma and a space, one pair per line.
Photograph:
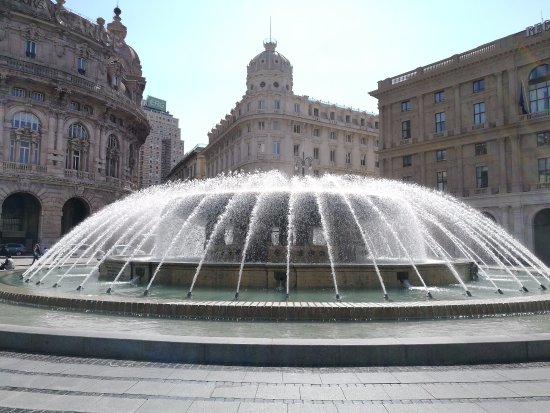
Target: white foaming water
243, 218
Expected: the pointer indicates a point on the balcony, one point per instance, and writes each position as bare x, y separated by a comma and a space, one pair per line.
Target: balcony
536, 115
23, 167
544, 186
73, 173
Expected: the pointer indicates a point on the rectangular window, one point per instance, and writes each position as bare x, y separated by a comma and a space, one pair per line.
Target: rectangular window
441, 155
296, 150
439, 96
543, 138
482, 176
30, 49
481, 148
297, 129
18, 92
12, 150
405, 106
478, 85
439, 122
316, 153
297, 108
261, 125
348, 118
362, 122
248, 107
76, 160
316, 112
75, 105
37, 96
349, 139
276, 148
260, 104
363, 159
406, 129
348, 157
331, 115
261, 147
24, 151
363, 140
479, 113
332, 135
442, 180
333, 155
276, 104
316, 132
544, 171
407, 160
81, 65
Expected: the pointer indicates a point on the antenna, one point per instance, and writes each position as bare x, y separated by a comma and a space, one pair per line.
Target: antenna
270, 28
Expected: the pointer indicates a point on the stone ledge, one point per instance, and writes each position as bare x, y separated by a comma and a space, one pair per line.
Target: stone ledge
277, 351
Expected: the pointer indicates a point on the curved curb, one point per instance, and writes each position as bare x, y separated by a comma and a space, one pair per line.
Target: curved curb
280, 311
277, 352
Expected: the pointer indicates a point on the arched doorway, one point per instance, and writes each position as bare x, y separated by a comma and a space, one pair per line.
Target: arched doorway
541, 230
489, 215
75, 211
20, 219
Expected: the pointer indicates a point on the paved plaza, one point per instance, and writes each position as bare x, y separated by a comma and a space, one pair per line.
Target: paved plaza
49, 383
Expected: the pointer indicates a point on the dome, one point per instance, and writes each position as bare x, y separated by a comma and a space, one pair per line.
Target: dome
269, 70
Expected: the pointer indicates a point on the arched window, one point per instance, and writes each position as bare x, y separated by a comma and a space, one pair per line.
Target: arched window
112, 157
78, 131
77, 148
22, 120
539, 89
25, 139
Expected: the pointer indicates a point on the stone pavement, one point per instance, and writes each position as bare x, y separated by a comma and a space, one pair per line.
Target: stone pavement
31, 382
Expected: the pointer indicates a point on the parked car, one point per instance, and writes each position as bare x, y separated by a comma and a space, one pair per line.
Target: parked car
13, 249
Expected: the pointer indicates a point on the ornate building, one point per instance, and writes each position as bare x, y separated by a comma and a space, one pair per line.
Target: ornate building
71, 119
272, 128
163, 148
192, 166
477, 125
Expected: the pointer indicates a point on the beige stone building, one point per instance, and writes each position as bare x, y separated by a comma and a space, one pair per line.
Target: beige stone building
477, 125
71, 119
192, 166
272, 128
163, 148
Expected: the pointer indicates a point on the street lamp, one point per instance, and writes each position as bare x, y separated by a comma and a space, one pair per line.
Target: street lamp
302, 162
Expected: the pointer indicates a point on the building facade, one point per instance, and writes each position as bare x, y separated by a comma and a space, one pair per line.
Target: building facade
71, 119
192, 166
477, 125
272, 128
163, 148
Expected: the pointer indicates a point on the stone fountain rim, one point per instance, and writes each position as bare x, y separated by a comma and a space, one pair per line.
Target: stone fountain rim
278, 311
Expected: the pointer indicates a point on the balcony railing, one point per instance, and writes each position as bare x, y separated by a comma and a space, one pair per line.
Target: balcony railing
73, 173
23, 167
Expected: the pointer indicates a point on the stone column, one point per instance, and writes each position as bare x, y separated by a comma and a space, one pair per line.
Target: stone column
420, 128
517, 223
459, 171
458, 109
516, 164
502, 177
499, 110
3, 148
422, 159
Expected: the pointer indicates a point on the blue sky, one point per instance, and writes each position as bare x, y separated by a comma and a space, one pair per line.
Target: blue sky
194, 53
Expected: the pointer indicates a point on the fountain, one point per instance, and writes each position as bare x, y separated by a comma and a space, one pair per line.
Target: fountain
263, 246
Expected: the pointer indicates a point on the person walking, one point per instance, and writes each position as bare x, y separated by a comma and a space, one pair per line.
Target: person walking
35, 252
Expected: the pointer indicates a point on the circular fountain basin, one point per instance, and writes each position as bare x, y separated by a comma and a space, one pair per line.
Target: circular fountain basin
127, 298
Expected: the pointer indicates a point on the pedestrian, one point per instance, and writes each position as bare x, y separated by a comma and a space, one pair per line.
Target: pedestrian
35, 252
8, 264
